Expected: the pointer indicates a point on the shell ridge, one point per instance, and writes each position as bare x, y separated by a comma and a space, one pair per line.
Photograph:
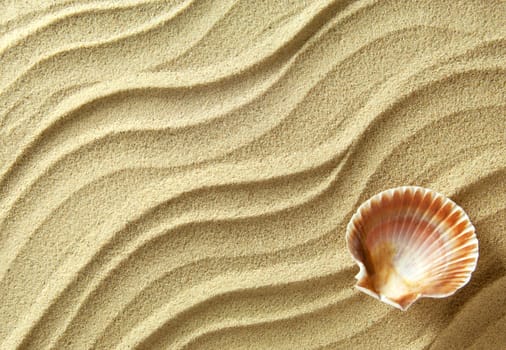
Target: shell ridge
436, 230
407, 251
452, 251
399, 227
422, 215
355, 232
466, 263
442, 270
407, 189
432, 212
427, 254
468, 230
436, 266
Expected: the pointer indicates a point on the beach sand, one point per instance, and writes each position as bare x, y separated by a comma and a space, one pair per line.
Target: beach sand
180, 174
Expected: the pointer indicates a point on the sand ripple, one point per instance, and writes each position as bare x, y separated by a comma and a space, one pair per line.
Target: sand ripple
179, 174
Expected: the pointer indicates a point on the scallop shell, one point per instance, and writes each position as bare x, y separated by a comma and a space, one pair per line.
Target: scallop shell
411, 242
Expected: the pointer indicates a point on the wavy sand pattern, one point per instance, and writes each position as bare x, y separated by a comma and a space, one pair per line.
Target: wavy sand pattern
179, 174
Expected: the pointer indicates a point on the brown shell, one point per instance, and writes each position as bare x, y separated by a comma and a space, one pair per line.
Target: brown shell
411, 242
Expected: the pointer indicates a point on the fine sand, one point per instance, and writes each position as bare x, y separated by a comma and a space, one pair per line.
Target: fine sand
180, 173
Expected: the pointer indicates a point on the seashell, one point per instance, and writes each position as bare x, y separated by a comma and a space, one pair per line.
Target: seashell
411, 242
